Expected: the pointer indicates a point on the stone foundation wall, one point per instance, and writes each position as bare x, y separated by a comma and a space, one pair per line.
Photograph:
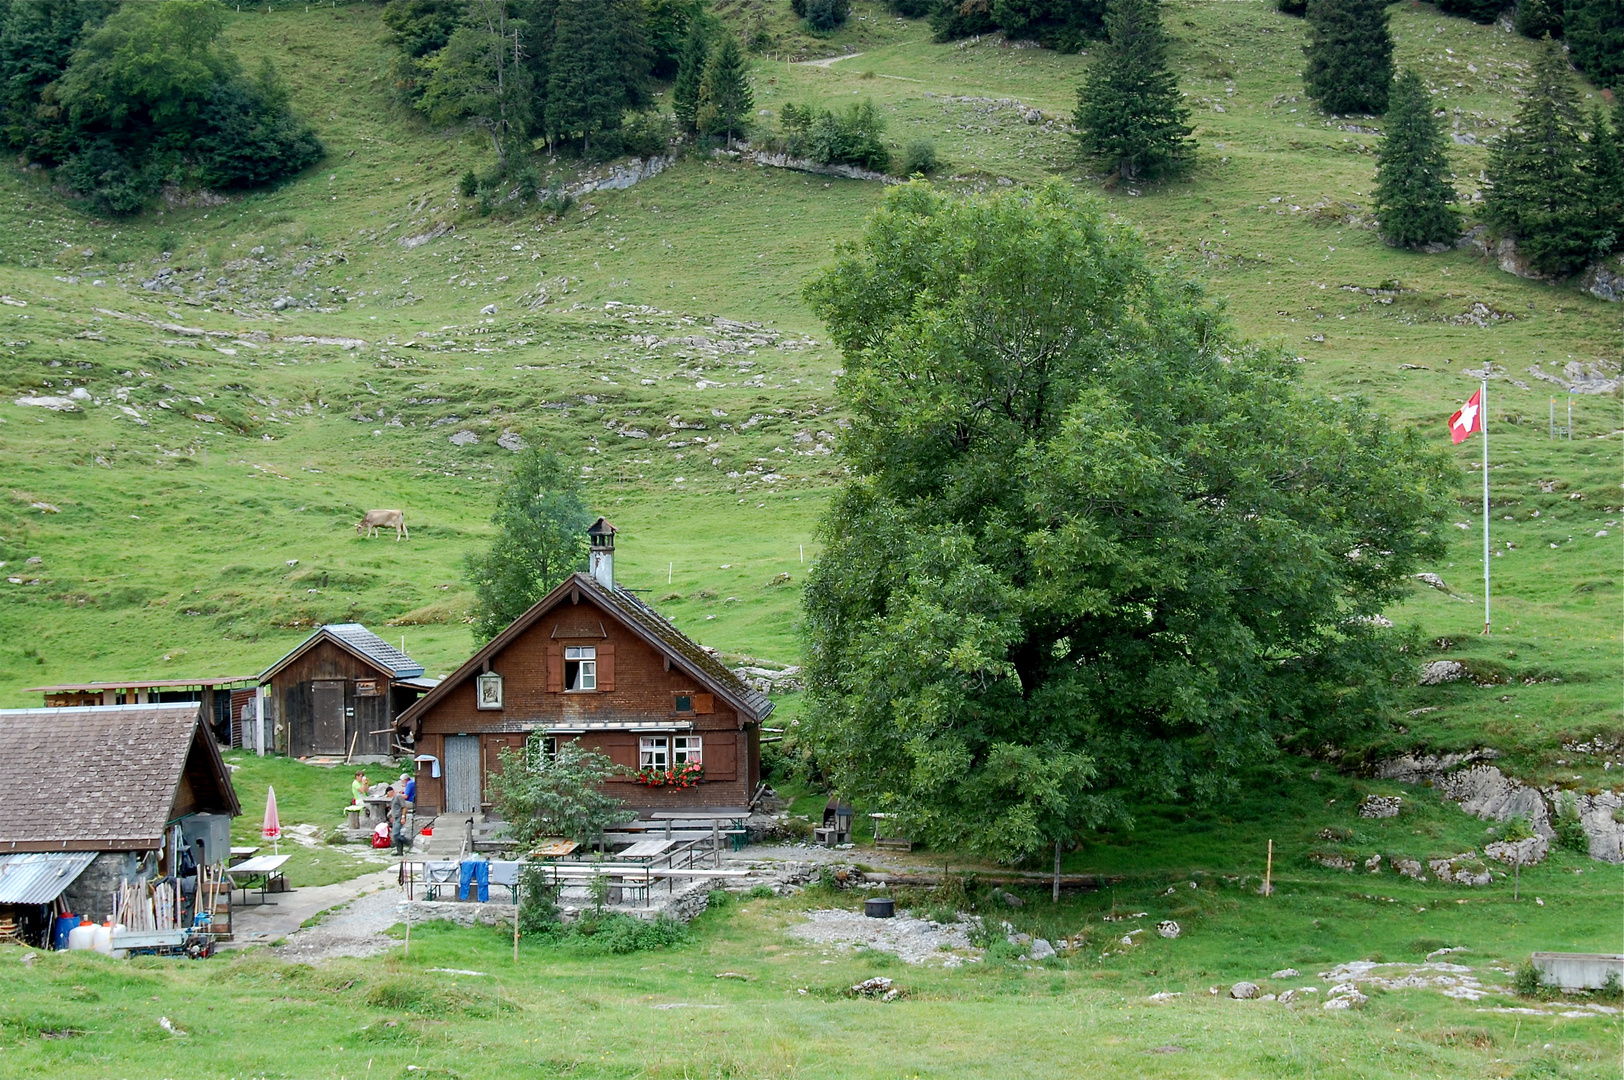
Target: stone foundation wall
92, 894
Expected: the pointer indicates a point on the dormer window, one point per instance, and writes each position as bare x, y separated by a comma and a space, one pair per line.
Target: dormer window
580, 667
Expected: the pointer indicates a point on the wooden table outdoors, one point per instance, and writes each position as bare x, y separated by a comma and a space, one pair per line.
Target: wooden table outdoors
645, 851
266, 868
555, 849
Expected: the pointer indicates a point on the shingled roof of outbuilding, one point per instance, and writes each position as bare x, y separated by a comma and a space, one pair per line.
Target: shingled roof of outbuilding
360, 641
102, 777
642, 620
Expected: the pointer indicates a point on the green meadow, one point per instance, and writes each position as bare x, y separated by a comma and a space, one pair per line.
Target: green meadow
256, 372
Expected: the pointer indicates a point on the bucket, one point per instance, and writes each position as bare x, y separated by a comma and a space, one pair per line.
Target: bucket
879, 907
64, 926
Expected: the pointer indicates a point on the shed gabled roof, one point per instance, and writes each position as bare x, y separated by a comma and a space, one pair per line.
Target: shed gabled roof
103, 777
683, 651
360, 641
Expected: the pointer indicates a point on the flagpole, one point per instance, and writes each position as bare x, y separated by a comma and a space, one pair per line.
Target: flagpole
1483, 419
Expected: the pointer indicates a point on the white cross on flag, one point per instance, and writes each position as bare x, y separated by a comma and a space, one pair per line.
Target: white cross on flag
1468, 419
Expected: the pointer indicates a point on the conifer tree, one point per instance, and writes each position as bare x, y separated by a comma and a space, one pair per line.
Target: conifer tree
1413, 192
1604, 168
1595, 33
596, 69
1350, 55
1129, 112
1537, 191
696, 49
725, 98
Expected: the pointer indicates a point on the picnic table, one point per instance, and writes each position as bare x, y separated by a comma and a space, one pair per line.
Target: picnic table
263, 870
555, 849
645, 851
238, 854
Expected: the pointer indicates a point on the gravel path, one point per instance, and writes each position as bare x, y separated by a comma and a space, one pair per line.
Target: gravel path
915, 941
354, 930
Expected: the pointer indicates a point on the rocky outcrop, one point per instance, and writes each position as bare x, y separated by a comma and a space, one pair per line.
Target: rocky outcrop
1605, 281
807, 165
1519, 852
1513, 262
1599, 815
1463, 869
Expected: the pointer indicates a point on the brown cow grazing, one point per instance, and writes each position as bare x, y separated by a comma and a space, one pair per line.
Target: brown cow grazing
383, 519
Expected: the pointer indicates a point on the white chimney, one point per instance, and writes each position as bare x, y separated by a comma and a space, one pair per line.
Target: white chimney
601, 558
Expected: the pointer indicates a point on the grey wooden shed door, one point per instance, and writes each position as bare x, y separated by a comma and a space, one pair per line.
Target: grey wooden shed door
461, 773
327, 710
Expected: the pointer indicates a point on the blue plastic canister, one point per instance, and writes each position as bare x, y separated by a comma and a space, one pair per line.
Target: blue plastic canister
64, 926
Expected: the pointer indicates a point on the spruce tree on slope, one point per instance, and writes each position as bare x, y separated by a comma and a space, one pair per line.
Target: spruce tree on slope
1604, 169
696, 49
1129, 113
1413, 192
1537, 191
1595, 33
1350, 55
725, 98
596, 68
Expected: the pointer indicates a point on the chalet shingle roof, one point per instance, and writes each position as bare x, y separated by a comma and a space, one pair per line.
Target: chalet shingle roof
642, 620
361, 641
102, 777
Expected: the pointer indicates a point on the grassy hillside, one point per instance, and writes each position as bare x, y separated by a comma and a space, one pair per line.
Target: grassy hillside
256, 372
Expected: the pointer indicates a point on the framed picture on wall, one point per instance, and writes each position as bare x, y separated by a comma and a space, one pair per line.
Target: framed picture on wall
488, 691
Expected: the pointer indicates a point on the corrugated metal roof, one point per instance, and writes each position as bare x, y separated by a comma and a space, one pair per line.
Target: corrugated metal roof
38, 877
139, 684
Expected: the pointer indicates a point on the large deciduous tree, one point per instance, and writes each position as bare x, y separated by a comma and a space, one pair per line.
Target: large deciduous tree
541, 540
1129, 111
1093, 544
1413, 192
1350, 55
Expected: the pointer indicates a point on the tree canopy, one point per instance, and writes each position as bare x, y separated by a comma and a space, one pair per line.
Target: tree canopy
541, 794
541, 540
123, 98
1094, 545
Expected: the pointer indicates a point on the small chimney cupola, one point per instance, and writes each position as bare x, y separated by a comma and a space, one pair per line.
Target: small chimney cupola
601, 558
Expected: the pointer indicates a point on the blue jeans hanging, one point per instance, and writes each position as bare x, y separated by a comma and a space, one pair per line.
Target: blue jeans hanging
479, 872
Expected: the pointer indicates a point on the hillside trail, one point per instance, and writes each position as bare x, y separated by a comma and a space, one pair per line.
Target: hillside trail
829, 61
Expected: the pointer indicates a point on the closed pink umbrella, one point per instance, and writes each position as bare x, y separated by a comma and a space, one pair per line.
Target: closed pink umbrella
272, 829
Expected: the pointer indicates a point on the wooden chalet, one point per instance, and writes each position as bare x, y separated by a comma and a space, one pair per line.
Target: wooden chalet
590, 661
99, 795
339, 693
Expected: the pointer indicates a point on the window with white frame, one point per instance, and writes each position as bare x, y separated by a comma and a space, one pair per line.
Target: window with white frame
686, 750
653, 753
541, 748
580, 667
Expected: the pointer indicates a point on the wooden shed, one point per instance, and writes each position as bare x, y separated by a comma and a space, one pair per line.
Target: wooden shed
590, 661
102, 795
339, 693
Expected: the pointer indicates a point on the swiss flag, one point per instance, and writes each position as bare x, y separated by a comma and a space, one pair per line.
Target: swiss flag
1468, 419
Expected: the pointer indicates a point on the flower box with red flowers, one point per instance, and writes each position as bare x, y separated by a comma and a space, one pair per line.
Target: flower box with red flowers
682, 776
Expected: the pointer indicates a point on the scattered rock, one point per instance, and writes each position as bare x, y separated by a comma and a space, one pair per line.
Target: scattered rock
511, 440
55, 404
1435, 581
1287, 997
1169, 929
1331, 860
1380, 806
878, 987
1410, 868
1442, 671
1041, 949
1286, 973
1605, 282
1463, 869
1346, 996
1243, 991
488, 309
1527, 852
1374, 864
914, 941
463, 438
1010, 899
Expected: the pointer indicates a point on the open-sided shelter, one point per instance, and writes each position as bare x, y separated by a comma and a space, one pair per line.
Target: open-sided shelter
590, 661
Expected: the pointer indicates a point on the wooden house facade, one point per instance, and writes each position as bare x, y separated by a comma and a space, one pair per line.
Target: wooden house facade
593, 663
340, 692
